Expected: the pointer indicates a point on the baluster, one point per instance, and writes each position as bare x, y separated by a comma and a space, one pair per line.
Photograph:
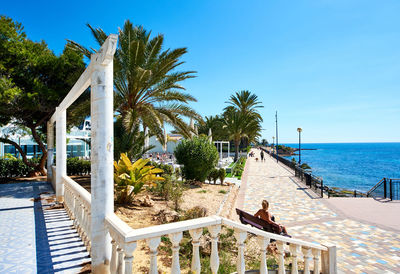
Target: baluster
175, 239
240, 236
281, 257
153, 245
120, 266
263, 243
214, 258
307, 257
293, 252
196, 234
114, 257
317, 254
128, 259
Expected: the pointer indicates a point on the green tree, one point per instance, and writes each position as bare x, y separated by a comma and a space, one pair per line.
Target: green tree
33, 81
147, 83
216, 124
242, 119
197, 156
240, 125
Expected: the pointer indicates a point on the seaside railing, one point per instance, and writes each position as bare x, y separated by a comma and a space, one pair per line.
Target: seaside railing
386, 188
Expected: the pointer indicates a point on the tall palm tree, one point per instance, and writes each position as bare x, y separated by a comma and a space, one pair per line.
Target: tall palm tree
242, 119
240, 125
246, 102
147, 82
216, 124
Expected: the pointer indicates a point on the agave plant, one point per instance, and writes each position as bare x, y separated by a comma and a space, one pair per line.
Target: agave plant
129, 178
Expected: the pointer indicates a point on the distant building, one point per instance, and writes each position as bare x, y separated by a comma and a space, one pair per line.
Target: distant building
78, 142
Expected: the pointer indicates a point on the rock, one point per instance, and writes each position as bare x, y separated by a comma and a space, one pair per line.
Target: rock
166, 216
145, 201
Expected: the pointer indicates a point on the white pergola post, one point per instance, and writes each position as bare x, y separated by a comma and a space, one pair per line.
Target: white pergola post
220, 147
50, 150
102, 147
229, 144
61, 152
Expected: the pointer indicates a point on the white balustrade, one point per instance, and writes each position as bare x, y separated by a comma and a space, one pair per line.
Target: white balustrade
317, 254
124, 241
196, 234
240, 236
214, 259
77, 203
307, 258
281, 257
263, 243
294, 249
153, 244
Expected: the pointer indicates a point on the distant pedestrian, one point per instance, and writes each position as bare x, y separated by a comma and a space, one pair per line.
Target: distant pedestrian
262, 156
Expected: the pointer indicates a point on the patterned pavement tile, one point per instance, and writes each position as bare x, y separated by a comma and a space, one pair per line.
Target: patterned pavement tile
361, 247
33, 239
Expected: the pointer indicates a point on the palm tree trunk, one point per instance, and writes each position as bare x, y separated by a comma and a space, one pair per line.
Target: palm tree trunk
236, 150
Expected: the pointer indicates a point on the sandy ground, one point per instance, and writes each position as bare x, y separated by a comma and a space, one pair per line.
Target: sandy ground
207, 196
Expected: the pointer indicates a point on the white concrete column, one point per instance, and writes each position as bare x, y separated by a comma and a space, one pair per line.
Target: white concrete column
61, 152
229, 144
50, 150
102, 147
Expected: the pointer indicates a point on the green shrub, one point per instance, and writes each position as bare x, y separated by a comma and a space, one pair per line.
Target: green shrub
198, 156
215, 175
76, 166
14, 168
167, 169
222, 175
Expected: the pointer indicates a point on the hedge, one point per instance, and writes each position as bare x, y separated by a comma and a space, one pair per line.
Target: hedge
76, 166
14, 168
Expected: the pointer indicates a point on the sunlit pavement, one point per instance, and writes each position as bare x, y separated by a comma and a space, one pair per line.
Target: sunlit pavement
33, 239
362, 246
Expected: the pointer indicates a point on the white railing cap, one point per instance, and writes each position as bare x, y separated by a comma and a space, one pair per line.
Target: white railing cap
160, 230
269, 235
78, 189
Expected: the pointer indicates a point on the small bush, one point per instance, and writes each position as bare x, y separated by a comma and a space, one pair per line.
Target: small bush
194, 213
222, 191
222, 175
197, 156
76, 166
214, 175
14, 168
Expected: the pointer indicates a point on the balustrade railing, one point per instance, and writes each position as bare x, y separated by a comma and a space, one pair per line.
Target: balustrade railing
124, 242
77, 203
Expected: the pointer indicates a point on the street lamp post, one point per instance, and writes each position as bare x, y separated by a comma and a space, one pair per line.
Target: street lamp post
299, 130
273, 142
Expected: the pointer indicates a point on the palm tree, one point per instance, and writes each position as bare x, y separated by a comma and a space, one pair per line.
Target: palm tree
216, 124
240, 125
146, 80
247, 123
246, 102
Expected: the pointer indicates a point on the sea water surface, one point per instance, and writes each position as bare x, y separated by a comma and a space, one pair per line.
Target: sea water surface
353, 166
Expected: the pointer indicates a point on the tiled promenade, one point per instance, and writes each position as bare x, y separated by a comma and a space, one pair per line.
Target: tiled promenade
33, 239
362, 247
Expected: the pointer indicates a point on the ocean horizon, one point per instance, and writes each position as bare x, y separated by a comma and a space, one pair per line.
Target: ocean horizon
353, 166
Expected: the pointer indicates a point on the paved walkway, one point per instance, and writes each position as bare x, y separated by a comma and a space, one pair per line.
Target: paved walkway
33, 238
362, 246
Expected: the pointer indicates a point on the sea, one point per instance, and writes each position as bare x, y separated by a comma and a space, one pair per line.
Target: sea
352, 166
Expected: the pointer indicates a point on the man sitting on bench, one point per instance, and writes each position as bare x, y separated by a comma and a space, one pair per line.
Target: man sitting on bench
266, 216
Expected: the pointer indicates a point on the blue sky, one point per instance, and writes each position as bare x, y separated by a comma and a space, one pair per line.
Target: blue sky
331, 67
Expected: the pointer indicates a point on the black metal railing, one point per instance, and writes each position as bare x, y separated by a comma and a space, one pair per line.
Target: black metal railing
387, 189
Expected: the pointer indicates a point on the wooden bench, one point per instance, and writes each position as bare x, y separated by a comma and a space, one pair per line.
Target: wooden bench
249, 219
